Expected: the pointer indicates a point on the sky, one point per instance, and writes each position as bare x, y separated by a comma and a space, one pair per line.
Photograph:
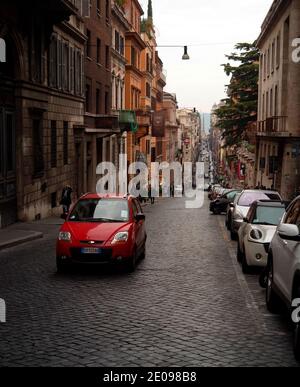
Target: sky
210, 29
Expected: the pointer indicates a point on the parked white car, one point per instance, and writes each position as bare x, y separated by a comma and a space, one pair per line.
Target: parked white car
256, 233
283, 269
241, 207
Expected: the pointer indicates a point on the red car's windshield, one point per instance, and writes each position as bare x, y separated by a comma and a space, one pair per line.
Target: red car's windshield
100, 210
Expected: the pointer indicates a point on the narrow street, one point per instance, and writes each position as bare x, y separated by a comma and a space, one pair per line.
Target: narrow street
188, 303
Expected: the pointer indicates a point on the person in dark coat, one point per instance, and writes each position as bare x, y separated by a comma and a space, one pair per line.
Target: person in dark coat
66, 199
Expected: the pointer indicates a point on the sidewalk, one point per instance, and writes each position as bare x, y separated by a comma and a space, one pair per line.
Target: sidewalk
20, 233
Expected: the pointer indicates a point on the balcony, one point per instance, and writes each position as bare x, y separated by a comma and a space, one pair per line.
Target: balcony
273, 127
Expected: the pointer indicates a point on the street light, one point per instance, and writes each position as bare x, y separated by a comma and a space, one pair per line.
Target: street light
185, 55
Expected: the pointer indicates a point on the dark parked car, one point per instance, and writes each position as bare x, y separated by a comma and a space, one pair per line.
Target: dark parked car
220, 204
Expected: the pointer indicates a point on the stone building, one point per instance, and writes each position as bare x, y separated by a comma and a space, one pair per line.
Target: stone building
172, 139
41, 104
190, 123
278, 136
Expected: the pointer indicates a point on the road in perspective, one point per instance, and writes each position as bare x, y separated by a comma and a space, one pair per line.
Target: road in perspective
187, 304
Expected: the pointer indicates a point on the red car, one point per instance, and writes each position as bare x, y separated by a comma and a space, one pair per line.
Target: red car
102, 230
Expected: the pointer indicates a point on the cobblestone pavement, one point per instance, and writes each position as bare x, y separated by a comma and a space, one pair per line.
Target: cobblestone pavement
188, 304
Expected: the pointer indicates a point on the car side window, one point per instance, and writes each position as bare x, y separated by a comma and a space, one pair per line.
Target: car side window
293, 215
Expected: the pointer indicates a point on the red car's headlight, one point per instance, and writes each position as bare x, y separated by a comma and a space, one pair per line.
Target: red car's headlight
65, 236
120, 237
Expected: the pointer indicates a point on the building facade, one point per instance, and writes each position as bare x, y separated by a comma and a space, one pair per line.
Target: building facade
190, 122
102, 138
173, 143
41, 105
278, 133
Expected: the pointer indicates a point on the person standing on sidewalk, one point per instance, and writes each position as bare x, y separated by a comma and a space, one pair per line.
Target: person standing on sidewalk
66, 199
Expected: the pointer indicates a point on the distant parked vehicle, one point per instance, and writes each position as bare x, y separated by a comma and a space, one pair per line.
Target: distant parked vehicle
241, 207
283, 267
256, 233
212, 192
220, 204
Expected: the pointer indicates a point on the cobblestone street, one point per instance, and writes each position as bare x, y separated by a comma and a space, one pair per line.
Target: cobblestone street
188, 303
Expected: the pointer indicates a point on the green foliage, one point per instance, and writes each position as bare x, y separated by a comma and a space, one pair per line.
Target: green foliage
240, 108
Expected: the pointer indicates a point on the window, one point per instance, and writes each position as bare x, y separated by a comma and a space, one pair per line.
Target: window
248, 198
54, 200
72, 70
122, 45
273, 57
293, 215
53, 144
271, 103
107, 58
148, 147
148, 90
66, 142
78, 72
65, 66
98, 51
278, 50
106, 102
107, 10
88, 44
98, 107
276, 102
37, 147
52, 72
101, 210
268, 62
98, 7
268, 215
117, 41
133, 56
87, 98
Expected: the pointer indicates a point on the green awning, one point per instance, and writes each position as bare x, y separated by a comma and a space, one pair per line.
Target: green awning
128, 121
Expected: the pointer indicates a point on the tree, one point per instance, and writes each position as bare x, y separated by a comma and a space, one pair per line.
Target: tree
240, 108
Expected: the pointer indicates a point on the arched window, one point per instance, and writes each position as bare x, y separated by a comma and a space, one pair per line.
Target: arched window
2, 50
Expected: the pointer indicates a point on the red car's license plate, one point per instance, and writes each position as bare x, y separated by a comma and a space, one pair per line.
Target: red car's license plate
90, 250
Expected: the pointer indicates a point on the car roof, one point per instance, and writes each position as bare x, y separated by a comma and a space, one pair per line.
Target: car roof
108, 196
265, 191
269, 203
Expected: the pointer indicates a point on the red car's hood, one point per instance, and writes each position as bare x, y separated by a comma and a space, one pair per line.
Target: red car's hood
94, 231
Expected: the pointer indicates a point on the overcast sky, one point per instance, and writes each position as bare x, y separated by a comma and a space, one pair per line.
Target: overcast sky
210, 28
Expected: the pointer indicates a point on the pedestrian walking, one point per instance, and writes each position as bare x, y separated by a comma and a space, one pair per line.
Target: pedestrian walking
66, 199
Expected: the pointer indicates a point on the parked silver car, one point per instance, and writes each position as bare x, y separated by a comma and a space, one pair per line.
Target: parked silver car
283, 268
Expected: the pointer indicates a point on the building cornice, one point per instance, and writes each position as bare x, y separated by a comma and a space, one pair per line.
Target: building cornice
275, 12
117, 11
137, 38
